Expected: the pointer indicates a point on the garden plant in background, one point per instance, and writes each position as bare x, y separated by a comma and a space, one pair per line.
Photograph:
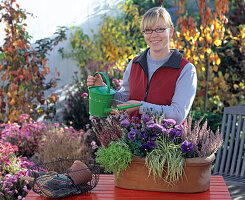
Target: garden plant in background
160, 141
75, 111
23, 68
61, 142
26, 134
206, 40
11, 169
38, 142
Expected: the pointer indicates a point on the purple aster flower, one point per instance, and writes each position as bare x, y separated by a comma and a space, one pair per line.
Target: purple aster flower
145, 117
178, 133
168, 122
135, 118
154, 135
123, 117
158, 127
136, 125
187, 147
179, 126
166, 131
125, 123
150, 124
132, 134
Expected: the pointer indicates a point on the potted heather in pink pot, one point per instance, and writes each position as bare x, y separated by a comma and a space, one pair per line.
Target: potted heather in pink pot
156, 154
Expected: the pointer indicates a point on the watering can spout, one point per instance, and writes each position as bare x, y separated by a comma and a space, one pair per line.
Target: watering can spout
122, 107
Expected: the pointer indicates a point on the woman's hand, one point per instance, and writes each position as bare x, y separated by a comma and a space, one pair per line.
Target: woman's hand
129, 110
94, 81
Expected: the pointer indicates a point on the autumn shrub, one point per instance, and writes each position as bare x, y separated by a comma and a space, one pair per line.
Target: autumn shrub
119, 39
213, 42
26, 134
23, 67
232, 54
61, 142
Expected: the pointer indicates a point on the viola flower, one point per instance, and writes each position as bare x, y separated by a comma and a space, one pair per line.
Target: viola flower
144, 148
145, 117
151, 144
143, 135
147, 146
125, 123
132, 134
187, 147
178, 133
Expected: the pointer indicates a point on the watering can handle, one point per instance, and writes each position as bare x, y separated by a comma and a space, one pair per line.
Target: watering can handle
106, 80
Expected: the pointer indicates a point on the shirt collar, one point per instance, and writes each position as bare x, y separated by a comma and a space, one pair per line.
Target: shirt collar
173, 62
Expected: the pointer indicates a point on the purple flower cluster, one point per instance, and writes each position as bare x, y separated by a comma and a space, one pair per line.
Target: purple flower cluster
10, 184
26, 134
144, 134
7, 150
141, 134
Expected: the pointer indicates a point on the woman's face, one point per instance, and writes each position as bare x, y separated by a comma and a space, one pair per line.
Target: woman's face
159, 42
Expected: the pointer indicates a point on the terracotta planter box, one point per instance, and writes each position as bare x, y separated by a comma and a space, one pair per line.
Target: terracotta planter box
197, 173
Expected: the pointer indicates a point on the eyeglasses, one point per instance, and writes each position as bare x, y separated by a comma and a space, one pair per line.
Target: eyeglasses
157, 30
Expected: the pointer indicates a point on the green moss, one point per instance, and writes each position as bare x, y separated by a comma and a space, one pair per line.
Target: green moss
115, 158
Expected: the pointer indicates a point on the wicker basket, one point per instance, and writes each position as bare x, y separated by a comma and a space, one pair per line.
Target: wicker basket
53, 179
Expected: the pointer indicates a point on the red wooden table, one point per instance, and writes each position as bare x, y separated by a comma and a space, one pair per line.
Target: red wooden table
106, 190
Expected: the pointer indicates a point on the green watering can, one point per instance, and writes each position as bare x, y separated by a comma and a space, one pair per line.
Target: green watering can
101, 97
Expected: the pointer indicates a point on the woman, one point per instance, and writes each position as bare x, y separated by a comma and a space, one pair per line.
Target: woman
160, 78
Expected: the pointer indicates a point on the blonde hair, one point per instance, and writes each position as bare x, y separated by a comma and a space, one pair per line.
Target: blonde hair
152, 15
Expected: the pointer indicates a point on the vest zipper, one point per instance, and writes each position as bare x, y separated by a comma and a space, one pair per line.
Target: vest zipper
148, 85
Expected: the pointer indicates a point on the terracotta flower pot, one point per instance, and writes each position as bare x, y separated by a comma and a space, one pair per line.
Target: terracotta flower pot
197, 173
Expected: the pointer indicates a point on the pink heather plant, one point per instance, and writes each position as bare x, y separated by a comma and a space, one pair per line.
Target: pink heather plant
205, 142
106, 130
25, 134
